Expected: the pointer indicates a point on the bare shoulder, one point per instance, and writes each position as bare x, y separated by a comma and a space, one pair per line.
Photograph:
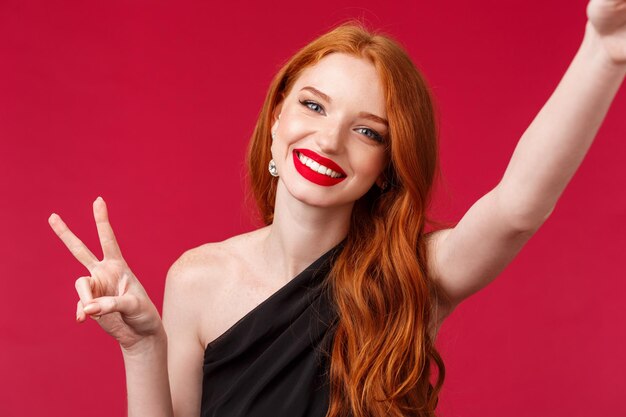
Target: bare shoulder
189, 285
203, 270
208, 279
204, 264
197, 265
192, 276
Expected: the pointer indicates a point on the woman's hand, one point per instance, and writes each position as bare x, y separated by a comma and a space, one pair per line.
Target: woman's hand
608, 19
112, 294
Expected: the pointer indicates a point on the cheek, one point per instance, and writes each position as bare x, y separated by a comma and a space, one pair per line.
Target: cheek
291, 139
293, 128
372, 165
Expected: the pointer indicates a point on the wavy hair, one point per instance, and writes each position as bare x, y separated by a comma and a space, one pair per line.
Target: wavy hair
382, 352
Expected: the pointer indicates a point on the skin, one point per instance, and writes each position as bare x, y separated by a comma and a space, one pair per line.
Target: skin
162, 357
333, 130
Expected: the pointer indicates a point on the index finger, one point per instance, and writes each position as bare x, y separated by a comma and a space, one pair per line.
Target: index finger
74, 244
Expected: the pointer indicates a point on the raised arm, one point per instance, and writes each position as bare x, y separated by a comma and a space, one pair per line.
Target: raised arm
554, 145
469, 256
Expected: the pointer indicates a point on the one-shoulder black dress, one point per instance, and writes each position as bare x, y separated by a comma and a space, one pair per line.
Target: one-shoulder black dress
274, 362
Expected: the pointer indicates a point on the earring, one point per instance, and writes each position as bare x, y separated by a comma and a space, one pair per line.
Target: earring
273, 135
384, 185
272, 168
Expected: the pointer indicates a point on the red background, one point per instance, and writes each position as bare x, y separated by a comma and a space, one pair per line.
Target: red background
150, 104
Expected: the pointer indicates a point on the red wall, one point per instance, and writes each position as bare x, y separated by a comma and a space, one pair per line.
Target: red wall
150, 104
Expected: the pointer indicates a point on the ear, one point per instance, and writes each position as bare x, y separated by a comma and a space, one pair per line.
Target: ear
382, 181
276, 114
382, 178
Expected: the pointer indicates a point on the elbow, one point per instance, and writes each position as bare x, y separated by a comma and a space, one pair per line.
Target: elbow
529, 220
523, 214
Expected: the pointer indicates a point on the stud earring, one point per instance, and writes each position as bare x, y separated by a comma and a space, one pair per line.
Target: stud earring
272, 168
384, 186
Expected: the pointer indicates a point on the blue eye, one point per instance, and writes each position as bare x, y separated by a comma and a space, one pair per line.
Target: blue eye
372, 134
312, 105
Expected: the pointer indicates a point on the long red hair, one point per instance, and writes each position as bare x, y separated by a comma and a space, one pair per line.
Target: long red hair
382, 352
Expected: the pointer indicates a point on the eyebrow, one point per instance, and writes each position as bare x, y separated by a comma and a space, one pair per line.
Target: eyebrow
362, 114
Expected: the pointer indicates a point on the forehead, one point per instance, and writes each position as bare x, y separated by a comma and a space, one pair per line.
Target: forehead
348, 80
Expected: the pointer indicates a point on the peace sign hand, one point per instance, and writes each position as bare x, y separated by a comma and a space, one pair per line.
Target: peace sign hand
112, 294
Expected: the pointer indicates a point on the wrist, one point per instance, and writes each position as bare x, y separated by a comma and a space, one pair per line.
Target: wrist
147, 346
594, 46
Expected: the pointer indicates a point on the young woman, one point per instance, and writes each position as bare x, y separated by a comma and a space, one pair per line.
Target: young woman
333, 307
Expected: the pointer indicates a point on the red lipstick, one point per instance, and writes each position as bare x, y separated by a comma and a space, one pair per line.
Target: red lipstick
314, 176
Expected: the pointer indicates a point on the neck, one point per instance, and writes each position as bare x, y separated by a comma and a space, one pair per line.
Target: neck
301, 233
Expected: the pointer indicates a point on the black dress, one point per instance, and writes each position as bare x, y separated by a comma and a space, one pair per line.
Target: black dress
274, 361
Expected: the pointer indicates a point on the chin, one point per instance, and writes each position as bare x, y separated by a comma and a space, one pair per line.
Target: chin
315, 201
322, 197
324, 202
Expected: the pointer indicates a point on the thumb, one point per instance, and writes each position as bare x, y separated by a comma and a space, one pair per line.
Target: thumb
125, 304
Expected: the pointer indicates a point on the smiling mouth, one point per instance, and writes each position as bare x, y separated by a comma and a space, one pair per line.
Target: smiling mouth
317, 167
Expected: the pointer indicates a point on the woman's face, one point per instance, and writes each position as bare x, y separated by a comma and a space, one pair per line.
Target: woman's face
329, 145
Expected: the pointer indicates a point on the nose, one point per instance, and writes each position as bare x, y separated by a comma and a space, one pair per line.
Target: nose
331, 140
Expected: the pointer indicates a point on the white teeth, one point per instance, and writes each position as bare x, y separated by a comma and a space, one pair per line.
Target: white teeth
315, 166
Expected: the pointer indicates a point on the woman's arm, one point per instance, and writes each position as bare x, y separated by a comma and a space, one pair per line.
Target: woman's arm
186, 298
164, 375
469, 256
554, 145
147, 379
